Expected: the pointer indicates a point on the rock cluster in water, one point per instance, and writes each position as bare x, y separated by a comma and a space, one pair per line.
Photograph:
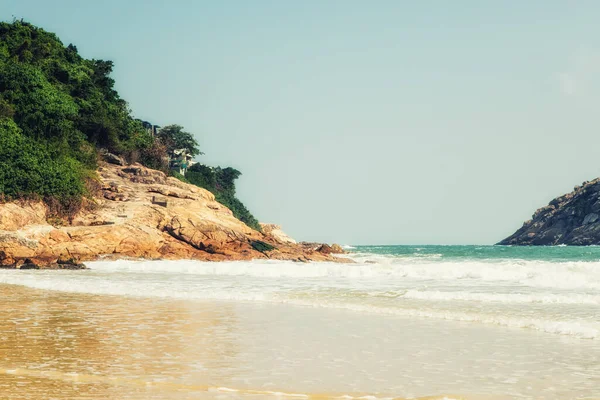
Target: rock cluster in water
571, 219
140, 213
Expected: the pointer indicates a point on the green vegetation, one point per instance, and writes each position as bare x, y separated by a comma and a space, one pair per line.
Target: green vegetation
57, 110
261, 246
27, 168
174, 138
221, 182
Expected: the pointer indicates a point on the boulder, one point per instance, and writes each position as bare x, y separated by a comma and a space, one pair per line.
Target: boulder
337, 249
325, 249
274, 231
113, 159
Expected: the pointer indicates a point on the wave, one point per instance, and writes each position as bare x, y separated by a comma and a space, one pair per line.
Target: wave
159, 289
507, 298
566, 275
580, 329
474, 291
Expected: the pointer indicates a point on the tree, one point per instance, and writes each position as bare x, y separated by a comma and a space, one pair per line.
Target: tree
226, 179
6, 110
173, 137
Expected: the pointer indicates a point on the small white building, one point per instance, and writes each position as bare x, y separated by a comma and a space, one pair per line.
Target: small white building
181, 159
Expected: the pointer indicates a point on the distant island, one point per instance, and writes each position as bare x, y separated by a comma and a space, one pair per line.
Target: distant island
571, 219
80, 177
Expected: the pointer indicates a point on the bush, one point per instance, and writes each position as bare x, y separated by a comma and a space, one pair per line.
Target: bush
55, 94
221, 182
239, 209
154, 157
29, 169
176, 174
261, 246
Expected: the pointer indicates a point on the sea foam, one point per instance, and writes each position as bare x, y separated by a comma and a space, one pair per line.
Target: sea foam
568, 275
554, 297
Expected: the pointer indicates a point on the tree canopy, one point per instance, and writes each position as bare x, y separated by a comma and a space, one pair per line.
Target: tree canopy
173, 137
56, 95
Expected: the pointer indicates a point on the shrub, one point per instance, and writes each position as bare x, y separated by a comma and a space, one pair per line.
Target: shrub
261, 246
221, 182
29, 169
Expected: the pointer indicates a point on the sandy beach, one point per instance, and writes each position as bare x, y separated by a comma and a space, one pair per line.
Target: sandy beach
161, 344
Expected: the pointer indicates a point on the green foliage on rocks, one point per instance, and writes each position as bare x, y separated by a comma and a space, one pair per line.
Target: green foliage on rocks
29, 169
57, 109
60, 97
261, 246
221, 182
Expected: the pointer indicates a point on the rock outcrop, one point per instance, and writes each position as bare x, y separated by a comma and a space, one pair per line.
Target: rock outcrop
140, 213
323, 248
571, 219
275, 232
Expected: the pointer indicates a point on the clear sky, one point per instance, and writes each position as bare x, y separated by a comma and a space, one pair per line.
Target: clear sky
363, 121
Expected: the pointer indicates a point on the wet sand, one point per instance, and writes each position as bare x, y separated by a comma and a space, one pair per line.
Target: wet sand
78, 346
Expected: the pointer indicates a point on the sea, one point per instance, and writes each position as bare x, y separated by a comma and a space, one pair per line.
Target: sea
399, 322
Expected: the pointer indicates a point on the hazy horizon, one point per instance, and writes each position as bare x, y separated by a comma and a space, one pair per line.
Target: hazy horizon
363, 123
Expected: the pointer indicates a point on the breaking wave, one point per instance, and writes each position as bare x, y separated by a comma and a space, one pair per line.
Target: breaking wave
553, 297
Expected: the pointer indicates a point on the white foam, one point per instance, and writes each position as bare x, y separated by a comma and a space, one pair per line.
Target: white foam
126, 288
549, 295
570, 275
580, 329
508, 298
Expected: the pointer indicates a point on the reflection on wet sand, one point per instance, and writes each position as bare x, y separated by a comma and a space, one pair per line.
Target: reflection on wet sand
59, 345
104, 336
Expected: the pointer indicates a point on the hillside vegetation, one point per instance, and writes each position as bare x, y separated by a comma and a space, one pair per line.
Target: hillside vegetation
58, 109
221, 182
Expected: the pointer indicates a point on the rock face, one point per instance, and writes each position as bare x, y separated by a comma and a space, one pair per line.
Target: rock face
140, 213
571, 219
275, 232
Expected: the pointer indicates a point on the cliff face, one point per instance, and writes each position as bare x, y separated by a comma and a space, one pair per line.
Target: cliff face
140, 213
571, 219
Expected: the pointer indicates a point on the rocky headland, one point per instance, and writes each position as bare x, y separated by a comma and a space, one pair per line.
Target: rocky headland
571, 219
140, 213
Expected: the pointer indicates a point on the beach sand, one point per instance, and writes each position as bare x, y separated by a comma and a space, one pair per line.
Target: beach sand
81, 346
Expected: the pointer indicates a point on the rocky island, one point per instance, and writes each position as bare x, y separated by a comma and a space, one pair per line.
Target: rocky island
571, 219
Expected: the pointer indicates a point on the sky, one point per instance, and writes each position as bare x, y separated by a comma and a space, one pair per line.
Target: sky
363, 122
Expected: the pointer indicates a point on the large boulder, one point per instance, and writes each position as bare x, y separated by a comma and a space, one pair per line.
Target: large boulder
274, 231
337, 249
113, 159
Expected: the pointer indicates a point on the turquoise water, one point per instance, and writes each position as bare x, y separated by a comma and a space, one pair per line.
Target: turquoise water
472, 252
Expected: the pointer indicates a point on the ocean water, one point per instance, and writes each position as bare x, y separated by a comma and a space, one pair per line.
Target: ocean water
475, 322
